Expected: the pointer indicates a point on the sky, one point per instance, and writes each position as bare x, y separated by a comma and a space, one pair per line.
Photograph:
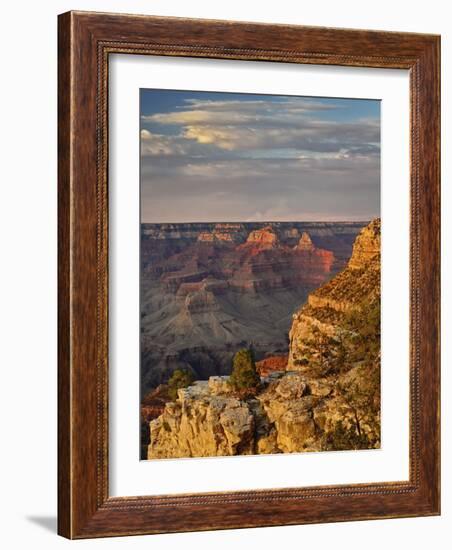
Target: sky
211, 157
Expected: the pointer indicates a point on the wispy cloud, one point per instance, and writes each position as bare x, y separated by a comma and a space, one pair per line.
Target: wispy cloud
248, 125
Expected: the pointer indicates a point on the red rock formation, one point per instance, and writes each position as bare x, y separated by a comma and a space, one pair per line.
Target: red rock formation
206, 237
275, 363
305, 242
259, 264
153, 403
313, 265
265, 237
265, 261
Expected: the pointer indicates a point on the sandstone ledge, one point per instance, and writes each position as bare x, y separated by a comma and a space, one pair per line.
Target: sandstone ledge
290, 413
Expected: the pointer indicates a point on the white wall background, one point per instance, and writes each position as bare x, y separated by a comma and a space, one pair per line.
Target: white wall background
28, 270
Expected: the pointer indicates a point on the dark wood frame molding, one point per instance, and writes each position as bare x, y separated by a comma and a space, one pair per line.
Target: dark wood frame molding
85, 42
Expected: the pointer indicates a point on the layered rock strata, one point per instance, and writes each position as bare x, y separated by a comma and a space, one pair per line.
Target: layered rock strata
329, 310
209, 289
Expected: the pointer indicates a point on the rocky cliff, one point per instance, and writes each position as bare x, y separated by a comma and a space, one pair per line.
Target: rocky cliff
333, 311
208, 290
324, 396
202, 423
290, 413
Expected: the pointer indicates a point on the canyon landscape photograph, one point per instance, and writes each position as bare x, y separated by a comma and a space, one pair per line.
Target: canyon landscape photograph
260, 274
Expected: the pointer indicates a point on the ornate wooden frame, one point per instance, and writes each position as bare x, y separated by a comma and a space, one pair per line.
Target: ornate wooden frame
85, 42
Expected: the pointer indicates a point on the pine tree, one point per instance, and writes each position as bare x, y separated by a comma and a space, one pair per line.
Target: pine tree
179, 379
244, 374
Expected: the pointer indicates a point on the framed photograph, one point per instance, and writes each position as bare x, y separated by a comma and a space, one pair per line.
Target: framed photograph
248, 275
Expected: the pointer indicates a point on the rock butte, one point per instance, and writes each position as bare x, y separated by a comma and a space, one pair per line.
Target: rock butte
305, 242
263, 237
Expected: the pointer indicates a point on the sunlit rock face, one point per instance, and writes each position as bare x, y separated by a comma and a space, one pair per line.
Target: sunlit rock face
350, 291
305, 242
265, 237
201, 423
366, 250
291, 413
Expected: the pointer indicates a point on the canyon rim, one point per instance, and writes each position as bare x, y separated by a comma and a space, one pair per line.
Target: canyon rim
260, 274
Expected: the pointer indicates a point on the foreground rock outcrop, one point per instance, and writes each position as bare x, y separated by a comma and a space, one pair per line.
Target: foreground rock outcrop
290, 413
207, 420
202, 423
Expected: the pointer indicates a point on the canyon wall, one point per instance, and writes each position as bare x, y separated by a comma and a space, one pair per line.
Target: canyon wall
208, 290
325, 395
331, 309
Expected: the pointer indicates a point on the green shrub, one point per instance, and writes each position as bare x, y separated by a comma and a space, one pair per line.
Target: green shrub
244, 374
179, 379
345, 439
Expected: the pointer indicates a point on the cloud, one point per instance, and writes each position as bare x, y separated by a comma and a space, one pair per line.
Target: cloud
238, 112
286, 159
221, 137
145, 134
153, 144
248, 125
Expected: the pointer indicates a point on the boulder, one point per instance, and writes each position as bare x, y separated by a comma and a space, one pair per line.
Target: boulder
291, 386
219, 385
200, 424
